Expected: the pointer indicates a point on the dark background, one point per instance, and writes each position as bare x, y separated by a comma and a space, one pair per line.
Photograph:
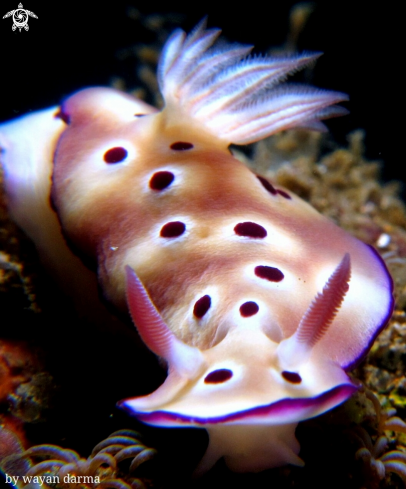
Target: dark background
72, 45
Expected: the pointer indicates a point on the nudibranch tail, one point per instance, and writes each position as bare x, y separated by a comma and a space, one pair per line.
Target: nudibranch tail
317, 319
184, 359
239, 99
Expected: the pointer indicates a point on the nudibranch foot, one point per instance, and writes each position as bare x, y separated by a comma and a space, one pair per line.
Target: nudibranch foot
251, 448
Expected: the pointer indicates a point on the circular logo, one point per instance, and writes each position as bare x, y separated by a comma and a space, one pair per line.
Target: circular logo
20, 18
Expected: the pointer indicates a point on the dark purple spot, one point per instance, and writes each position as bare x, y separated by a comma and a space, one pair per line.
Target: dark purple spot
284, 194
62, 115
115, 155
248, 309
161, 180
292, 377
218, 376
181, 146
250, 229
202, 306
267, 185
269, 273
173, 229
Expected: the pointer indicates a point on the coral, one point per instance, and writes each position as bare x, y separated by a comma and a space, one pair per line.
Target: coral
383, 372
17, 280
378, 462
343, 186
25, 388
12, 444
64, 468
15, 359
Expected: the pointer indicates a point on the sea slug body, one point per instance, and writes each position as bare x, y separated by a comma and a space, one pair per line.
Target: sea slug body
258, 304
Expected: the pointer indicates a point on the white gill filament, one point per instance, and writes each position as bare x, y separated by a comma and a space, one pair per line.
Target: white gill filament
239, 99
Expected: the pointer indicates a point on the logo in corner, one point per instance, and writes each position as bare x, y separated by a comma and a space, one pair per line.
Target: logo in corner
20, 17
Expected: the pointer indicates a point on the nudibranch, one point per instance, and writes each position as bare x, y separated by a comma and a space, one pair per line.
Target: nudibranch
258, 304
